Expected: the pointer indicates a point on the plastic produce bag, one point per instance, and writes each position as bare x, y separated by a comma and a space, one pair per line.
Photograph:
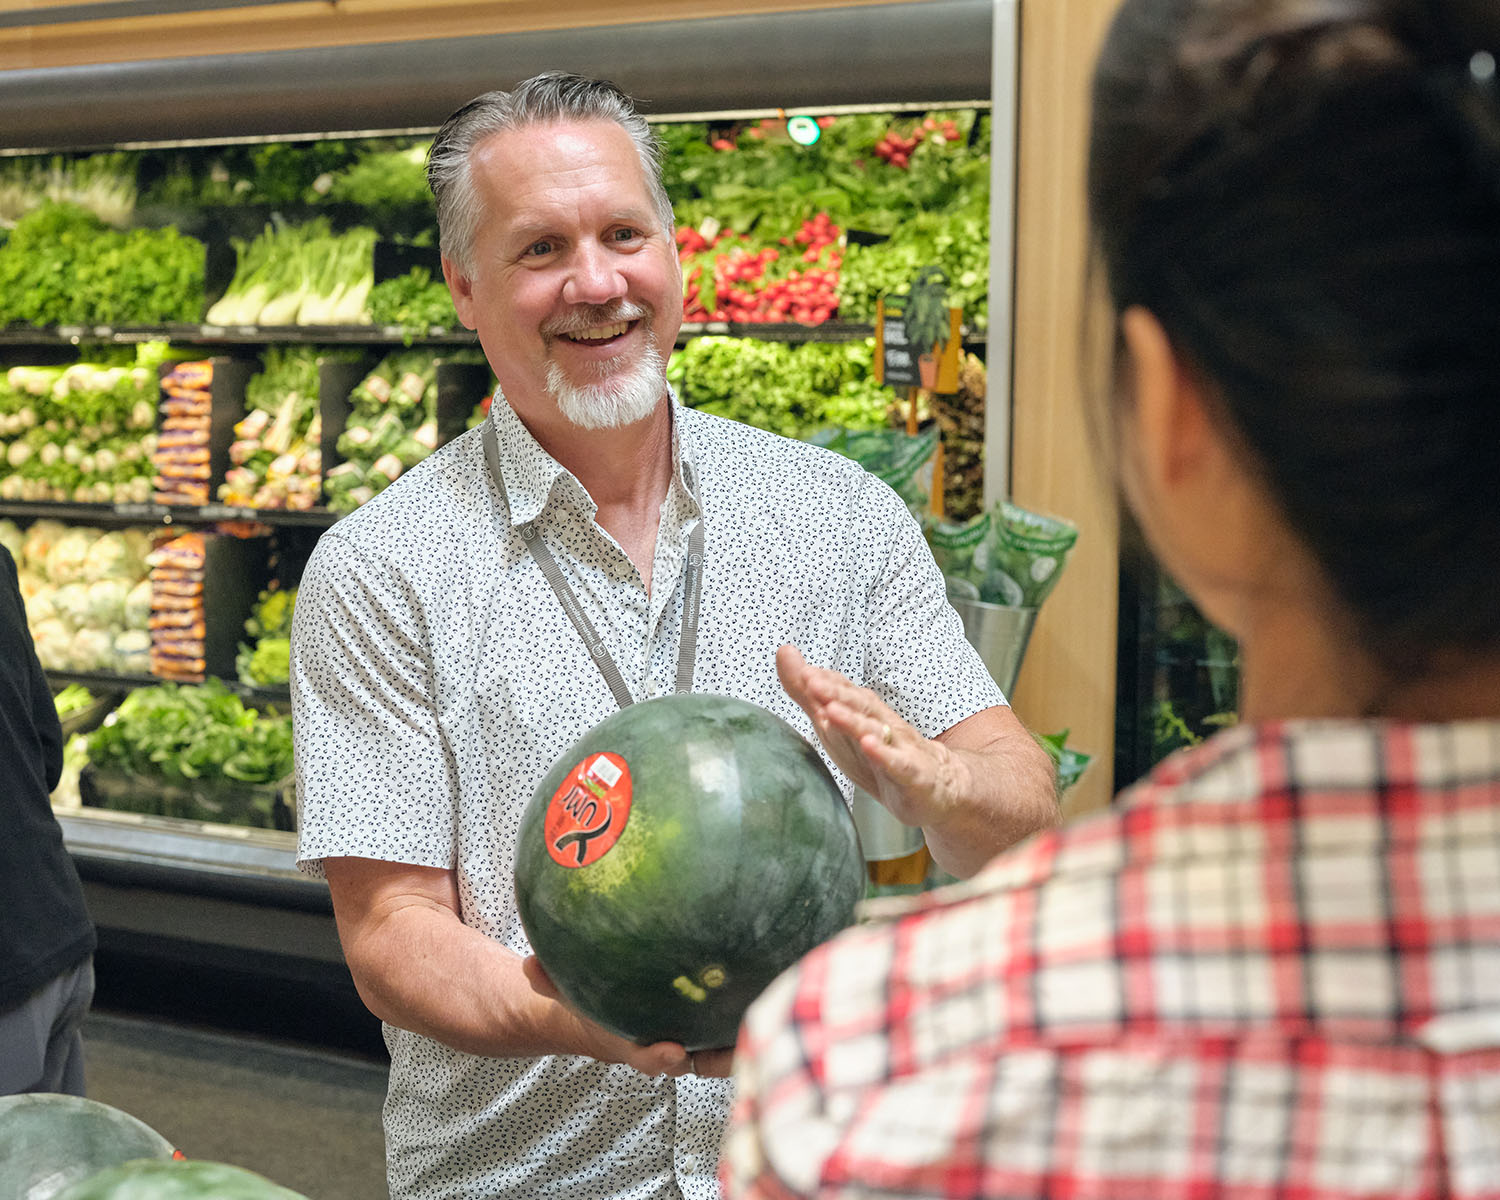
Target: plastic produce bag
900, 459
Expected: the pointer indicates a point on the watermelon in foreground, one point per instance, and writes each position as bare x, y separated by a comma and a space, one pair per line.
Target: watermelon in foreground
676, 859
48, 1141
152, 1179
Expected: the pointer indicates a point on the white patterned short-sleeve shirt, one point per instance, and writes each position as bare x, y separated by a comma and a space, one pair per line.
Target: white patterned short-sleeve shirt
436, 678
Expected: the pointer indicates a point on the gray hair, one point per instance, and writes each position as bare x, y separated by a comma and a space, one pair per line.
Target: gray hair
550, 97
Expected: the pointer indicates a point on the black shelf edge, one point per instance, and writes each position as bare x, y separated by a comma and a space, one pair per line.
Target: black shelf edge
214, 335
380, 335
164, 514
108, 680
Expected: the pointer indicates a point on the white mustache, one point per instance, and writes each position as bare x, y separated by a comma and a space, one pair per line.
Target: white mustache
594, 315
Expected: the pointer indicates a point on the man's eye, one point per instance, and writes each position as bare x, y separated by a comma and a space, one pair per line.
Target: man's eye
625, 235
537, 249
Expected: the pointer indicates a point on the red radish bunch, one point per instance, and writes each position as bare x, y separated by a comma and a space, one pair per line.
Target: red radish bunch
745, 286
897, 150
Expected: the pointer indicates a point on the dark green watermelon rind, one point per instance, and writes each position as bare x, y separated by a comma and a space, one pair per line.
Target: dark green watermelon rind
183, 1179
631, 995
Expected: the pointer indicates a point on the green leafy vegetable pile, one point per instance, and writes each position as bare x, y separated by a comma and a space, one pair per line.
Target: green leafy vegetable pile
83, 433
201, 732
300, 275
62, 266
928, 206
391, 428
787, 388
265, 660
104, 184
277, 455
414, 302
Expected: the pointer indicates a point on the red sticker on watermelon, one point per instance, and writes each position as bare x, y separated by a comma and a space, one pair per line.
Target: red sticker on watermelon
588, 812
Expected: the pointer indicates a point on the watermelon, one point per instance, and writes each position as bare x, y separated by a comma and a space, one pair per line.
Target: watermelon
48, 1141
183, 1179
677, 858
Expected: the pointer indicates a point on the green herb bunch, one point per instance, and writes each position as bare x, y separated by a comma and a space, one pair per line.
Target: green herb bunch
183, 733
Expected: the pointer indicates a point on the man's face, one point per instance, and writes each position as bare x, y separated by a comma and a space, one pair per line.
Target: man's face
574, 286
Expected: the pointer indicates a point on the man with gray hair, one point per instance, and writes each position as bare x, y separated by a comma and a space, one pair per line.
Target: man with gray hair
457, 633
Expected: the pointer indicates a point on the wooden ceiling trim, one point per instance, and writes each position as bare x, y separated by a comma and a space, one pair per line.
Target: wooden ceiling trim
332, 23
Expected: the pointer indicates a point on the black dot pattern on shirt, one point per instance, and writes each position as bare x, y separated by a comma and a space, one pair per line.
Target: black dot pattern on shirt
436, 678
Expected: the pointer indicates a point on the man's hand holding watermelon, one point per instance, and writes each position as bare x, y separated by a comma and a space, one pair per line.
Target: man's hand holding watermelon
974, 789
659, 1058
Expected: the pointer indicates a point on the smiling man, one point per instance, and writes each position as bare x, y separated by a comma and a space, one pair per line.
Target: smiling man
592, 544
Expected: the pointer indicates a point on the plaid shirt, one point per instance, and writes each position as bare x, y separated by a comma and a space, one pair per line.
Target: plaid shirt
1272, 972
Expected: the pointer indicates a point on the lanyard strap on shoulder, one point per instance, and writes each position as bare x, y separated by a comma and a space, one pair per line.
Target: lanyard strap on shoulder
691, 600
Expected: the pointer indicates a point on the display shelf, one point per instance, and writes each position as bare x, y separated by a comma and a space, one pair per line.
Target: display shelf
248, 863
95, 680
386, 335
235, 335
163, 514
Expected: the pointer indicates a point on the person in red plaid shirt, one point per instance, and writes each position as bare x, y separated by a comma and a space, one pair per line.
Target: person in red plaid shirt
1272, 970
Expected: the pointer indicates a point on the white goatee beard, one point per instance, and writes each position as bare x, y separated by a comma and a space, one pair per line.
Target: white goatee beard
617, 399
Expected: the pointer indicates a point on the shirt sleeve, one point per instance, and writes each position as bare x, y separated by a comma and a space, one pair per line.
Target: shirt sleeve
919, 661
374, 775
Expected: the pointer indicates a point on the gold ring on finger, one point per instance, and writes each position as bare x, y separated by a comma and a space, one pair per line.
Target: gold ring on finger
885, 735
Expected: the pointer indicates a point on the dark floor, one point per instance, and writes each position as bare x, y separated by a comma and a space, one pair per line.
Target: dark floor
305, 1117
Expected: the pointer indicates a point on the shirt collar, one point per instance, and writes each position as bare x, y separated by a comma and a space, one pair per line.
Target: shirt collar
530, 475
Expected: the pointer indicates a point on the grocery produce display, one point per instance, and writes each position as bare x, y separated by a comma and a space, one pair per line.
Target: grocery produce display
678, 857
49, 1142
264, 342
300, 275
264, 660
277, 454
391, 427
87, 593
193, 751
83, 433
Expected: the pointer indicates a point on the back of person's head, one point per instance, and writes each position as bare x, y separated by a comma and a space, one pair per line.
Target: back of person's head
1306, 194
550, 98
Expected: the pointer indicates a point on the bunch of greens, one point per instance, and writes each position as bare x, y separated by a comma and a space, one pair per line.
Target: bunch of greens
789, 389
276, 455
61, 265
203, 732
956, 240
381, 180
414, 303
392, 426
83, 433
104, 184
72, 698
279, 174
766, 182
265, 660
299, 275
1069, 763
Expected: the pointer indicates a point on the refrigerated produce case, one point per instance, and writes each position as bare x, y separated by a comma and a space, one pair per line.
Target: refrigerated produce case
169, 891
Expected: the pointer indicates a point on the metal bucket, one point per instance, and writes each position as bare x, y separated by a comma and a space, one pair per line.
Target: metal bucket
881, 835
1000, 633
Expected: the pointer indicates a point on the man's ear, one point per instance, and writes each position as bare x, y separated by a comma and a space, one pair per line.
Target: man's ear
461, 288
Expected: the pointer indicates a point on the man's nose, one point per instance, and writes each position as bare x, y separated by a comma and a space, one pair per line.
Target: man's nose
594, 277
